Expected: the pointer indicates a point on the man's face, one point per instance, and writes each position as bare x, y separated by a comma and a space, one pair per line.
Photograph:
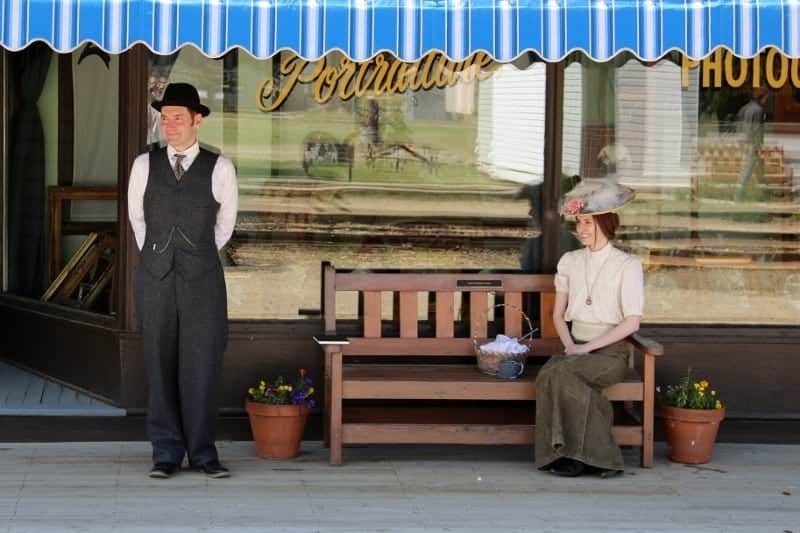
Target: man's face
180, 126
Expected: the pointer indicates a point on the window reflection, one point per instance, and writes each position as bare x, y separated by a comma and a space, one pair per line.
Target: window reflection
443, 177
716, 217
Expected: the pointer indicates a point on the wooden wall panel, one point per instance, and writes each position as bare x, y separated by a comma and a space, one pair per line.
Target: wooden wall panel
67, 346
755, 370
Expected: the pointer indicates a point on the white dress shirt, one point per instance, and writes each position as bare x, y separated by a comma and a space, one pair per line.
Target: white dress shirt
223, 187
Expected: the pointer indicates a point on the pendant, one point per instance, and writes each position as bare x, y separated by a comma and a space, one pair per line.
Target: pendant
588, 300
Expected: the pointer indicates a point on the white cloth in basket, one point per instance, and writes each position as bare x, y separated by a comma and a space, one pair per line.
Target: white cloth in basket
504, 344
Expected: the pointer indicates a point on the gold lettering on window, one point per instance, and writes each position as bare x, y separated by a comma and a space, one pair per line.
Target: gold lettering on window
773, 69
380, 75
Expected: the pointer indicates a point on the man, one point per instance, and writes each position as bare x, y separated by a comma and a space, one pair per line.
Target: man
750, 125
182, 203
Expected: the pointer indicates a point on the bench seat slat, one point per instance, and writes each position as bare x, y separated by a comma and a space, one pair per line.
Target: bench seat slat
455, 382
433, 347
461, 434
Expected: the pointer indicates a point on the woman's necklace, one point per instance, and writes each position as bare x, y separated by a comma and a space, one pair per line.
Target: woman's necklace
590, 288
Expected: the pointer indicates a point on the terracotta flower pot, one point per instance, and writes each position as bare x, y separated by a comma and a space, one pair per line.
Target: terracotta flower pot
691, 433
277, 429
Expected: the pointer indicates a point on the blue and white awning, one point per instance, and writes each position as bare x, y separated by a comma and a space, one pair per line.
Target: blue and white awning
410, 28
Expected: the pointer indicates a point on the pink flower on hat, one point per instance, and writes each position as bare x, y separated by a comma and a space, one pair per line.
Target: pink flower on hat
573, 207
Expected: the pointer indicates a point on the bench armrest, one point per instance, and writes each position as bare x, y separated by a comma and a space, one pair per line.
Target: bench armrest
331, 340
645, 344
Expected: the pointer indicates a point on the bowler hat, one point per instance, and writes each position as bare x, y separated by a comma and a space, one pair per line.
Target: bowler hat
184, 95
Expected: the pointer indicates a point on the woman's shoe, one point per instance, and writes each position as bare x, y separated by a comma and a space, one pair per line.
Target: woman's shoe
604, 473
567, 467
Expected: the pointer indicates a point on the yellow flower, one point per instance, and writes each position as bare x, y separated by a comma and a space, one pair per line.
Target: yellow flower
713, 393
310, 391
696, 385
701, 393
704, 384
251, 391
718, 405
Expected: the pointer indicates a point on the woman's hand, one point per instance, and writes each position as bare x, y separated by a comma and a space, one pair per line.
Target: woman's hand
576, 349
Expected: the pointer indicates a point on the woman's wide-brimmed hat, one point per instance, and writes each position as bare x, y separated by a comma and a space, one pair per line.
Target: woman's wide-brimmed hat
595, 196
184, 95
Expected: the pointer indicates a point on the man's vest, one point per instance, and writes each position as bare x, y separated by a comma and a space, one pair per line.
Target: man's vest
180, 216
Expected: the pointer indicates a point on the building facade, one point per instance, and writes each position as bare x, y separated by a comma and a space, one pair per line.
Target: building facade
405, 137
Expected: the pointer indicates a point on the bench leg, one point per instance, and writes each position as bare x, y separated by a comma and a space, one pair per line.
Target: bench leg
336, 409
648, 411
326, 419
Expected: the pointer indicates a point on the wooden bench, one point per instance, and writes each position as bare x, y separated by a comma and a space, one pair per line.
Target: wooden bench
409, 339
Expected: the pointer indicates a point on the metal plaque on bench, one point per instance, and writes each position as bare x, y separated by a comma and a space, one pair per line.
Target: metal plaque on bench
465, 283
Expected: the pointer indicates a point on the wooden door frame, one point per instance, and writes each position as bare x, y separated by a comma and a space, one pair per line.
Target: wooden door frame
133, 112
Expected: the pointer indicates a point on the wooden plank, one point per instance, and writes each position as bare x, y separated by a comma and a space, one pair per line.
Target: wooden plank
433, 347
434, 281
372, 314
460, 434
478, 313
648, 409
329, 298
437, 434
326, 420
445, 314
335, 438
512, 314
14, 395
547, 304
34, 391
455, 382
433, 386
54, 396
408, 314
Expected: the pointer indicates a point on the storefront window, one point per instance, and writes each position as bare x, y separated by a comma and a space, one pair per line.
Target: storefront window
61, 176
713, 150
376, 165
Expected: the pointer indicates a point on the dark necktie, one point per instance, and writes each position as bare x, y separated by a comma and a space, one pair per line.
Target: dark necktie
178, 168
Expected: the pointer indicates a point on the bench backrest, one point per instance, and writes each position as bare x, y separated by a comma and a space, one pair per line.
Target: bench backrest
460, 307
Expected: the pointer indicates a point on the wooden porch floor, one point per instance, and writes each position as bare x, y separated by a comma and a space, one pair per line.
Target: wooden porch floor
24, 393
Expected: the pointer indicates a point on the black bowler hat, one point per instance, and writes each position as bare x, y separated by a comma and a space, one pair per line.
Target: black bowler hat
184, 95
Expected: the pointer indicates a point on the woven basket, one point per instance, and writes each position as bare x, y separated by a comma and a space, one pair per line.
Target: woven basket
489, 361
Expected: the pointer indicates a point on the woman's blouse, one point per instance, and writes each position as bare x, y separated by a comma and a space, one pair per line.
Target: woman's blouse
609, 278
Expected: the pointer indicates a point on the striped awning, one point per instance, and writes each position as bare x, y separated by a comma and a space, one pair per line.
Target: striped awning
410, 28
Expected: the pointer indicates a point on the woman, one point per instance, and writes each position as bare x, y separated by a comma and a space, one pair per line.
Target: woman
600, 291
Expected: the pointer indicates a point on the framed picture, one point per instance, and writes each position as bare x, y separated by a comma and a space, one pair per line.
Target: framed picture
87, 275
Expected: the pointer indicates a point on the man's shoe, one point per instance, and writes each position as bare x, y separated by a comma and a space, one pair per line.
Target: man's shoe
214, 470
163, 470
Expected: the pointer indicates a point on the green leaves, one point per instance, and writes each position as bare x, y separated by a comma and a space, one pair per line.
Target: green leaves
688, 394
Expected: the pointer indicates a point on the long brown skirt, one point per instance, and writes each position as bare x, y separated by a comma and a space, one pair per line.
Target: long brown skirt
573, 418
